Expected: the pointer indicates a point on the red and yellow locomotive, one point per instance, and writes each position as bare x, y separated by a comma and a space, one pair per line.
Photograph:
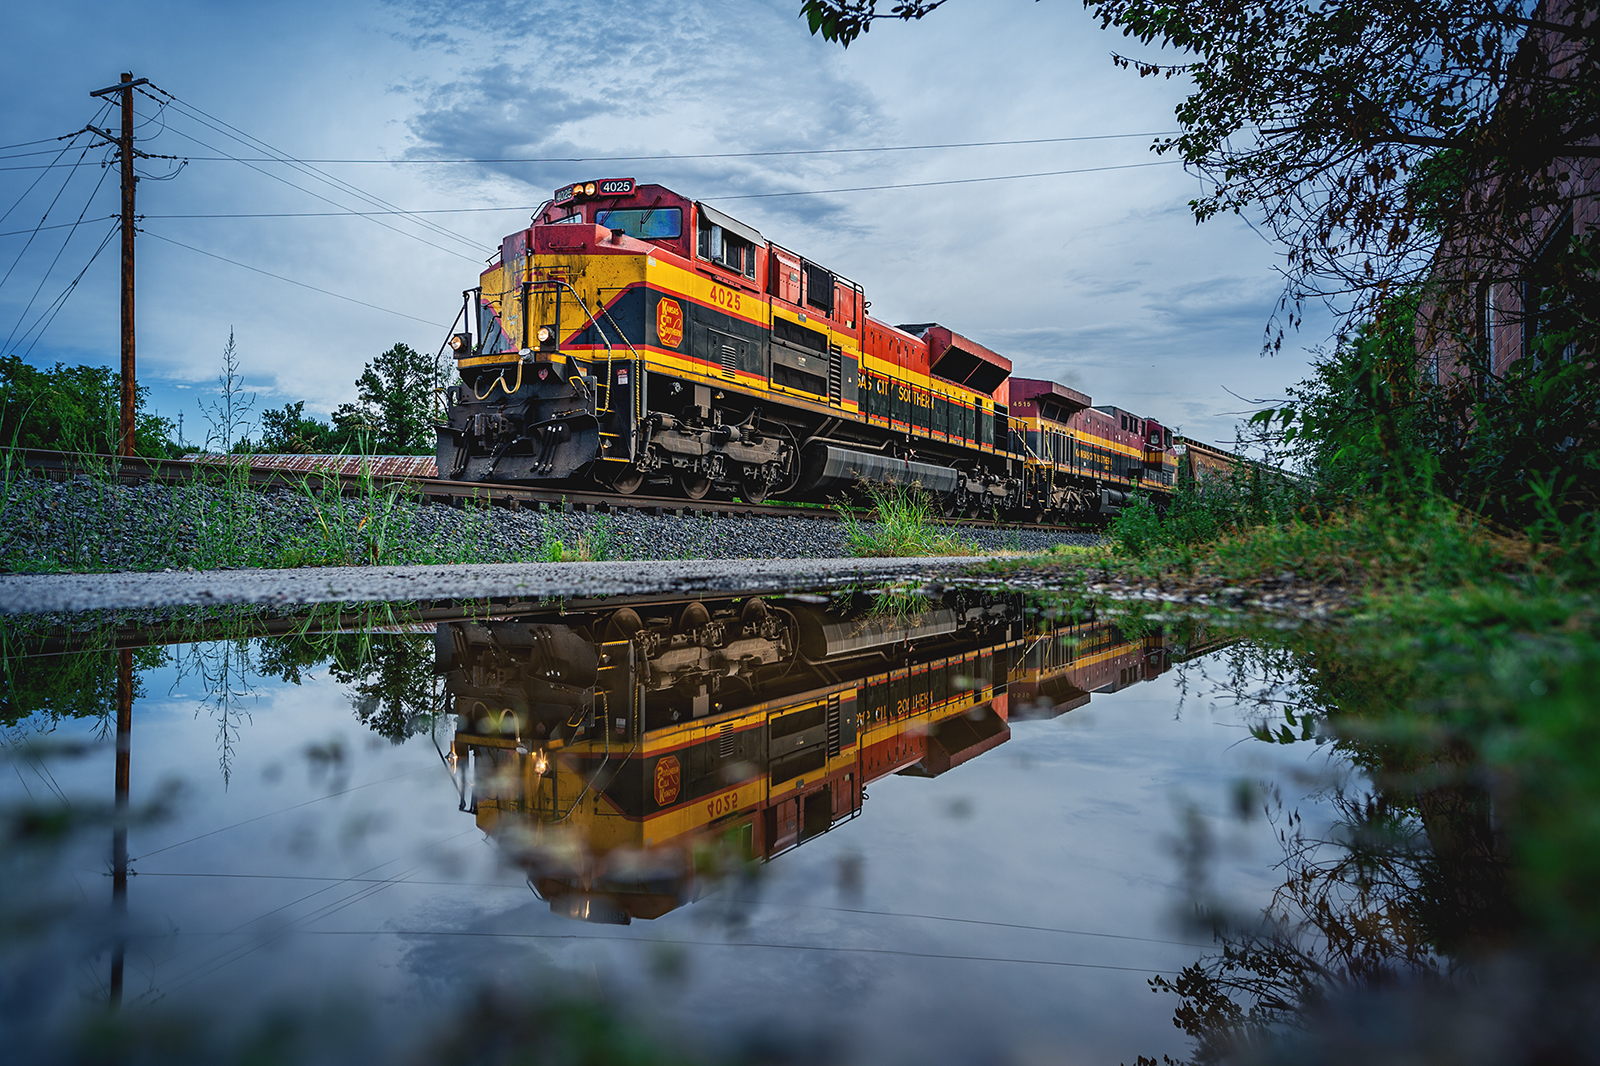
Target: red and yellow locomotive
633, 337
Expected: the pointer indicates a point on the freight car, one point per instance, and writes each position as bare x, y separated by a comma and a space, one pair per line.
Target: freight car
642, 340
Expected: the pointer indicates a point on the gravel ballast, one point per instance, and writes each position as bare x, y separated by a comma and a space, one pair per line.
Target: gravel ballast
92, 525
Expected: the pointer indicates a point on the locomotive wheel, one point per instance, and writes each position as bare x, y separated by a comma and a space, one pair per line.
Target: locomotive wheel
627, 483
693, 617
693, 485
623, 625
754, 611
754, 490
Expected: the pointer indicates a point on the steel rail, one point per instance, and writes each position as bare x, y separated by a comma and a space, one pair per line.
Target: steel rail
64, 465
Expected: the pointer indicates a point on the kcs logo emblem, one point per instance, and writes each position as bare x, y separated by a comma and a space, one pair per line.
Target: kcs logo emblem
669, 323
668, 775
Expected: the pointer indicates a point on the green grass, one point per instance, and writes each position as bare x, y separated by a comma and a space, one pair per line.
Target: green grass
213, 520
901, 523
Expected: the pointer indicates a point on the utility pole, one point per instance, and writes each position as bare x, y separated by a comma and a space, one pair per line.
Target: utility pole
119, 825
126, 152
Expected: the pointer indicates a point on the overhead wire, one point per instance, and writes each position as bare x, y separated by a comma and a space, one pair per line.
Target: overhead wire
43, 229
53, 201
828, 948
41, 140
59, 253
335, 203
61, 301
69, 137
692, 156
212, 122
233, 954
946, 181
758, 902
708, 199
291, 281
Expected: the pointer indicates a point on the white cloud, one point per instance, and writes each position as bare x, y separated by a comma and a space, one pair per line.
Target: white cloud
1099, 279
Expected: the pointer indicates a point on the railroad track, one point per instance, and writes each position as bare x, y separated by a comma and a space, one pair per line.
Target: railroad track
286, 473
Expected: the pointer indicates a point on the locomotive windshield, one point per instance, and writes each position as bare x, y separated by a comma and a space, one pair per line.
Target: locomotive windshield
646, 223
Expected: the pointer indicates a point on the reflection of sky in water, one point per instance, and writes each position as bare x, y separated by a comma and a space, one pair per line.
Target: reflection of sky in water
276, 882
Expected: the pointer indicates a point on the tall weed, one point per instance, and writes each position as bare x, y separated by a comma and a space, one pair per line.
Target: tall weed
900, 524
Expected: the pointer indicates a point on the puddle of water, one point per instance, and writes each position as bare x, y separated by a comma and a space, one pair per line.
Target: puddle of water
858, 828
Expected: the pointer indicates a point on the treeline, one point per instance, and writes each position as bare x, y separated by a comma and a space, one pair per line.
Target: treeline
77, 409
396, 401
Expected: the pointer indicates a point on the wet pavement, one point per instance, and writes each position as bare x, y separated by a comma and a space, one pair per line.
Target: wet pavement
48, 593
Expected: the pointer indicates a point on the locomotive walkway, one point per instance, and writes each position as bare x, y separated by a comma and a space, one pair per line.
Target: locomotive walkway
513, 582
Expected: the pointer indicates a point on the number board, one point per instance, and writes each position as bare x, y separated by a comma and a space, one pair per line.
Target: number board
604, 187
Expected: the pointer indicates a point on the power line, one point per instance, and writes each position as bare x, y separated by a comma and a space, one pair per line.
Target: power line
343, 214
61, 301
42, 140
291, 281
830, 948
282, 810
64, 150
948, 181
708, 199
59, 253
202, 117
758, 902
54, 200
324, 199
690, 156
58, 225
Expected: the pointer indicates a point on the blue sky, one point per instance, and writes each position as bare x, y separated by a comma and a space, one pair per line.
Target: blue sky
1101, 280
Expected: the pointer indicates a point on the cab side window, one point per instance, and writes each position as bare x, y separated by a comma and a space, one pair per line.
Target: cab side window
727, 250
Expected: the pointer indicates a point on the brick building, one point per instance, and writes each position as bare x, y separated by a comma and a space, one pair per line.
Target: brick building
1491, 273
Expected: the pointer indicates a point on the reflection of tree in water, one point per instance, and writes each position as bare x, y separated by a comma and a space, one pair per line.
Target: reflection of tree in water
393, 688
48, 688
1406, 885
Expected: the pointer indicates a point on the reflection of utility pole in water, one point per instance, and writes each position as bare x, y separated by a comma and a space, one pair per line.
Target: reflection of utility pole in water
119, 825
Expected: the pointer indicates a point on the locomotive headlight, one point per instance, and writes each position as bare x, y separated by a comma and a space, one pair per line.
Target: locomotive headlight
588, 188
461, 342
545, 334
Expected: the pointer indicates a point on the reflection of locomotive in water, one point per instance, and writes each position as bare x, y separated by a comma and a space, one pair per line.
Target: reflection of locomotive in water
625, 756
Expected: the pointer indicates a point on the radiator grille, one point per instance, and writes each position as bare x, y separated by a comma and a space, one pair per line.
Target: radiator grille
833, 725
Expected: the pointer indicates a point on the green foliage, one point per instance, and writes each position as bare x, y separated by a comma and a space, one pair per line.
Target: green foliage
228, 413
593, 546
1206, 510
74, 408
845, 20
1360, 133
290, 431
900, 524
393, 414
396, 401
70, 685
